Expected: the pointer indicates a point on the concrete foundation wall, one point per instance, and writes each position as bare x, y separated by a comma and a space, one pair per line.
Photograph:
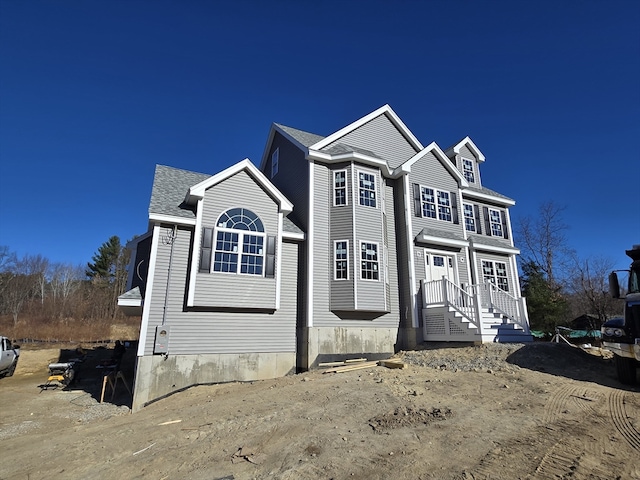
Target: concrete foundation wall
328, 344
157, 377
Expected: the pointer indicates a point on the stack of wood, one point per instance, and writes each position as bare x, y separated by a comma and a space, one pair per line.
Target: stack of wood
360, 363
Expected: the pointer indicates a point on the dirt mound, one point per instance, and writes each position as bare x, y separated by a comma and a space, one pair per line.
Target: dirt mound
408, 417
457, 411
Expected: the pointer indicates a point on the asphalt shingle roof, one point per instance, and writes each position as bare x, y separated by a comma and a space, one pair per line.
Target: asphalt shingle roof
170, 186
486, 191
339, 148
305, 138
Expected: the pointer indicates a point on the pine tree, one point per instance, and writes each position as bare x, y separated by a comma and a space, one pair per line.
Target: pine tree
105, 261
546, 303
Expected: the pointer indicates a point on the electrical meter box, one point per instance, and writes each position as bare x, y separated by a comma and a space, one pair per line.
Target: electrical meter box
162, 339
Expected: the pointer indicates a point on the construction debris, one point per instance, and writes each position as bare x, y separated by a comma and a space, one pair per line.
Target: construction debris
348, 368
393, 363
360, 363
248, 455
338, 364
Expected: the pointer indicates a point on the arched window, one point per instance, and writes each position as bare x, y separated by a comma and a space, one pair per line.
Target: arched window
239, 243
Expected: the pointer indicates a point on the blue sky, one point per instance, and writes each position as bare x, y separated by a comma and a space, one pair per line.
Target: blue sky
94, 94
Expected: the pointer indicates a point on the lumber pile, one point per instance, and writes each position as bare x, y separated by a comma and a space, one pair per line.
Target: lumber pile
354, 366
360, 363
393, 363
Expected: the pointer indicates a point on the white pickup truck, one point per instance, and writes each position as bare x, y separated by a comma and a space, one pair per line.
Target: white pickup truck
9, 355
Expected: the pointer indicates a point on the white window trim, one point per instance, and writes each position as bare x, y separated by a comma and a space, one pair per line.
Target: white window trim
436, 204
495, 273
375, 187
335, 189
335, 260
492, 223
472, 171
275, 162
241, 234
473, 217
378, 261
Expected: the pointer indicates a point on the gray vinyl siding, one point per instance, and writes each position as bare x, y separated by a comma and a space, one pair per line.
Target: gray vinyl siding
466, 153
368, 222
382, 138
429, 172
217, 289
402, 252
205, 332
368, 228
393, 300
342, 296
321, 247
485, 232
496, 258
292, 178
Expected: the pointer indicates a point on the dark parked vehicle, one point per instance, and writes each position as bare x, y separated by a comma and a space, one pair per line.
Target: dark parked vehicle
622, 335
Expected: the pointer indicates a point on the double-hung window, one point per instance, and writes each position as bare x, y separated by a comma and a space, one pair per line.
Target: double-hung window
367, 183
369, 262
495, 222
239, 243
340, 187
444, 206
341, 260
467, 170
469, 218
428, 201
496, 273
435, 204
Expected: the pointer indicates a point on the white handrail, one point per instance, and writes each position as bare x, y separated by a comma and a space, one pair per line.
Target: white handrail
469, 301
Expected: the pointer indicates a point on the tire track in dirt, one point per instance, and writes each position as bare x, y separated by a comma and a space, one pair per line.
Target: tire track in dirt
557, 403
621, 420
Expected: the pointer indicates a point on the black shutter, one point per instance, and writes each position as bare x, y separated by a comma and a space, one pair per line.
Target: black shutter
417, 200
454, 208
476, 210
205, 250
487, 224
505, 231
270, 266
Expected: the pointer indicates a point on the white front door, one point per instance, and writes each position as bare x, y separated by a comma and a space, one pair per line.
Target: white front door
438, 265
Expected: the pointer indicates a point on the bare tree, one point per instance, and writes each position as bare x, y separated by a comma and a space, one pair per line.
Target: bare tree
543, 241
23, 283
589, 287
65, 280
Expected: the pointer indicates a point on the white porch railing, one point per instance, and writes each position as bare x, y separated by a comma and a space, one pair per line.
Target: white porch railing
468, 301
448, 294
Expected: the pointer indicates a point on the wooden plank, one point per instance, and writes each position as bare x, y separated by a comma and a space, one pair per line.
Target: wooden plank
393, 363
330, 364
355, 360
349, 368
338, 364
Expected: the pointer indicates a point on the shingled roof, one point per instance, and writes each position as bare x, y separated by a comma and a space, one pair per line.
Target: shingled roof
305, 138
170, 186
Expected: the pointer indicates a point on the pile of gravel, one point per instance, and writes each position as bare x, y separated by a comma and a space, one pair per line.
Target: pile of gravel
475, 358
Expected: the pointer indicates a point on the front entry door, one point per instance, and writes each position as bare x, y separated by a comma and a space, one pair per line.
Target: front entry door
438, 265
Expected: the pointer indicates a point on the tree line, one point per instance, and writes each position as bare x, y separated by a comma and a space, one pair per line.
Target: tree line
36, 291
558, 284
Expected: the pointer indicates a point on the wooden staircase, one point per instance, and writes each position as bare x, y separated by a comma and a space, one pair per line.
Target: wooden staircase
451, 314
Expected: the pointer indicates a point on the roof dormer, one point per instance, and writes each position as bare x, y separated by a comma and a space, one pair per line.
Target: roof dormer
467, 159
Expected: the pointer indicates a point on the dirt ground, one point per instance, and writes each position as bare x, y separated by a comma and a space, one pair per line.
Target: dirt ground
541, 411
